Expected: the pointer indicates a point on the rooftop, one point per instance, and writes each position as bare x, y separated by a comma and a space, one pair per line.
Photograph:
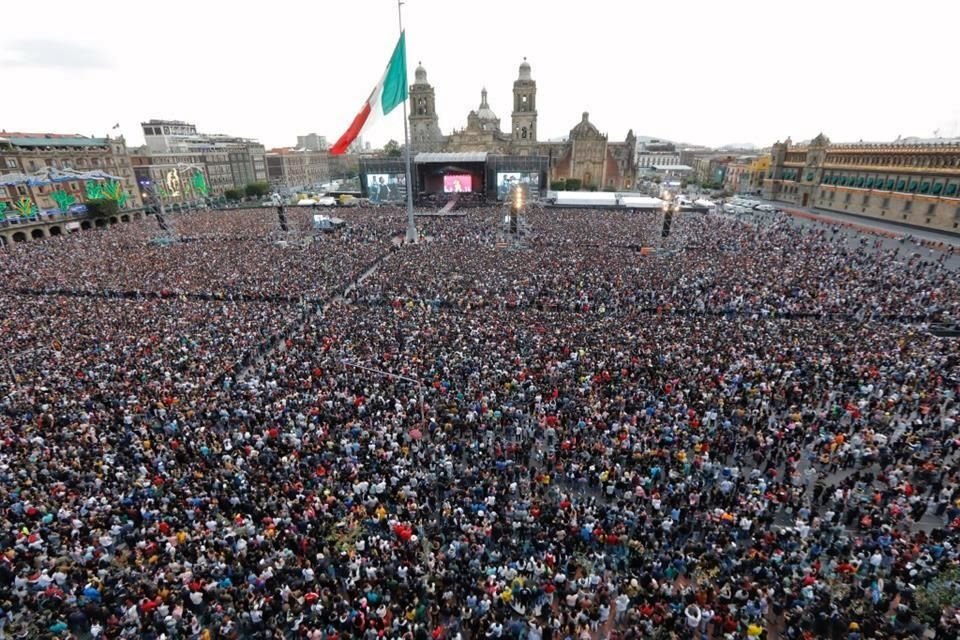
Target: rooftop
21, 139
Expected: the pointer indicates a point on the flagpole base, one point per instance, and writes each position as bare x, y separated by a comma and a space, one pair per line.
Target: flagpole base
412, 236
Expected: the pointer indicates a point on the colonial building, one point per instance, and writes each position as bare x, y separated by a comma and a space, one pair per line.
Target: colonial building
586, 154
297, 168
30, 152
913, 181
245, 156
170, 173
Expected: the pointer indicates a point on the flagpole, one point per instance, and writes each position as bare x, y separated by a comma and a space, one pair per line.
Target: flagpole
411, 225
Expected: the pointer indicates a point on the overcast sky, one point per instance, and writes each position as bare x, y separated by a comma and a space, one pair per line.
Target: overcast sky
704, 72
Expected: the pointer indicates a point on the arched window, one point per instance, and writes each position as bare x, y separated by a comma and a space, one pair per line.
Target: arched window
523, 133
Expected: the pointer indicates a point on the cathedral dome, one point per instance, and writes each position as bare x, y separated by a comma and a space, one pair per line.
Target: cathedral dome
420, 74
524, 70
485, 112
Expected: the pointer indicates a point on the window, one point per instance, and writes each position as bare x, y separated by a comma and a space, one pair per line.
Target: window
33, 165
11, 163
956, 214
886, 203
908, 205
847, 198
866, 200
931, 208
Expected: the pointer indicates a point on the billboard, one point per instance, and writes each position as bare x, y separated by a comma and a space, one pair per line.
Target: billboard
506, 180
458, 183
386, 187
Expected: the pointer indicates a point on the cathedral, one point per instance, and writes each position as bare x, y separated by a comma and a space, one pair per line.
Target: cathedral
586, 154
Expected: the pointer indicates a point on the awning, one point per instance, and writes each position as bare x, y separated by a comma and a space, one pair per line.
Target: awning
937, 188
925, 187
810, 176
914, 186
889, 184
860, 182
870, 183
901, 185
951, 189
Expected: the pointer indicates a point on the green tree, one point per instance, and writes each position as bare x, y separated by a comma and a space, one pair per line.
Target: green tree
392, 149
942, 591
233, 194
257, 189
102, 207
573, 184
558, 185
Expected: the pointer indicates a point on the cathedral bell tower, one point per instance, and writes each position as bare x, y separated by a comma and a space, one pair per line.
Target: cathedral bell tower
524, 116
425, 132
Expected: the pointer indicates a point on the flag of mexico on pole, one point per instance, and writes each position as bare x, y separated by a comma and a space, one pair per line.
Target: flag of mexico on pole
390, 93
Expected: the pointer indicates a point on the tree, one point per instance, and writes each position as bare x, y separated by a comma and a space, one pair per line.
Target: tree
102, 207
392, 149
573, 184
233, 194
257, 189
942, 591
558, 185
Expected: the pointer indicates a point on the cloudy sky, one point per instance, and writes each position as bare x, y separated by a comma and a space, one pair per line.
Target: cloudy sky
701, 71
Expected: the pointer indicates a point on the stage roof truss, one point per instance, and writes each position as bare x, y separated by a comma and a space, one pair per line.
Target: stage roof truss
451, 158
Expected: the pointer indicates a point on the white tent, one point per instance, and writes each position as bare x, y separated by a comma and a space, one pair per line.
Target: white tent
603, 200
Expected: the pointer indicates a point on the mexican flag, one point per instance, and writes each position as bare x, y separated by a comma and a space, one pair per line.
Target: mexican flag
389, 93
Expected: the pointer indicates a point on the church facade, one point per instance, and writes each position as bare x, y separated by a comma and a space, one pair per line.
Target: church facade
586, 154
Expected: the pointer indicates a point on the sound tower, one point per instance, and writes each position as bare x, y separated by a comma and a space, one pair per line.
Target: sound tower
667, 221
283, 218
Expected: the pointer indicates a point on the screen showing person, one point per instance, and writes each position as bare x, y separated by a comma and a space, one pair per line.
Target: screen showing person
506, 180
457, 184
386, 187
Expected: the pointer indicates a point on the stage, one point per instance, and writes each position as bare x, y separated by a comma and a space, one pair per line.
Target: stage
449, 181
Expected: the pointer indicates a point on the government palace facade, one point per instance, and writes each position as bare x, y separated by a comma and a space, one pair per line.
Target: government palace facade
911, 181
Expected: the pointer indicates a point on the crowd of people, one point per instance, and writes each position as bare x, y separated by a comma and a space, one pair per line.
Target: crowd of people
747, 434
